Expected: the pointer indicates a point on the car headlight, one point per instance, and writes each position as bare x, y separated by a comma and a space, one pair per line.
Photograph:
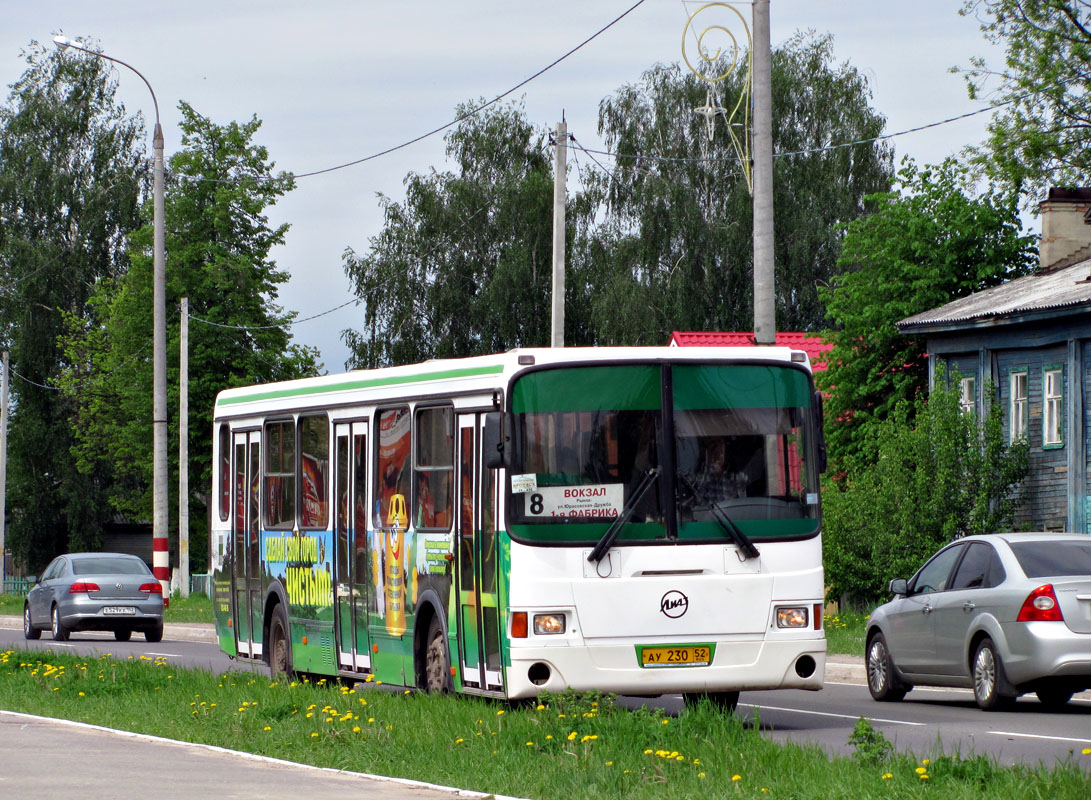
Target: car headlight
546, 624
792, 617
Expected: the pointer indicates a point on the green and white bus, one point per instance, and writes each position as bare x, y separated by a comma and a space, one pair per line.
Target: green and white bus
633, 520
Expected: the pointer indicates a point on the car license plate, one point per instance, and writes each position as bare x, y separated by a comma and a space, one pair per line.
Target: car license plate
691, 655
118, 610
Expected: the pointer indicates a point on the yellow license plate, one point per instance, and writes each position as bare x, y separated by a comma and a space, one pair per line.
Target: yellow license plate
696, 655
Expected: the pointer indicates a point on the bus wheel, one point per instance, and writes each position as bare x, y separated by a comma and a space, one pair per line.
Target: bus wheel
724, 701
280, 656
436, 670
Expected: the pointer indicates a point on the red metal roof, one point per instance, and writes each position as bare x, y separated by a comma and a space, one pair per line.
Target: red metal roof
809, 343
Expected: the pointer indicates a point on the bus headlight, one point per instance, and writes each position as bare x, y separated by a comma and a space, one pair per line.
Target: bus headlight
546, 624
792, 617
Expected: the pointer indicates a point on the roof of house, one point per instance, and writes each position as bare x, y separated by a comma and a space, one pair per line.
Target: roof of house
1031, 295
809, 343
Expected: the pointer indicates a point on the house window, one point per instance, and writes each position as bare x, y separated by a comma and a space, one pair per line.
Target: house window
1052, 407
968, 394
1017, 416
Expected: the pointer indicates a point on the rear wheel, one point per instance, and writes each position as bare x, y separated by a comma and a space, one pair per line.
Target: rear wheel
29, 631
154, 634
724, 701
881, 679
280, 653
123, 636
436, 669
988, 673
1054, 698
60, 633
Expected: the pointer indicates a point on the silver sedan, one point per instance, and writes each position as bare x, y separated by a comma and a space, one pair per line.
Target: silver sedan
95, 592
1003, 614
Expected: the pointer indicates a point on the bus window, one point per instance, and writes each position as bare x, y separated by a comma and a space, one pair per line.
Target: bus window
314, 438
433, 470
280, 474
392, 460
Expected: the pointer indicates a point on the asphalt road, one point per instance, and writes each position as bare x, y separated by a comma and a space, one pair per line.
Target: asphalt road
927, 722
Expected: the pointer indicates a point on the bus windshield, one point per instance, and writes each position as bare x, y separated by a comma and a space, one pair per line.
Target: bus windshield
730, 440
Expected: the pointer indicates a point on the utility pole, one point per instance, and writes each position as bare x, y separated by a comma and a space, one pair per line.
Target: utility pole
560, 196
183, 453
764, 304
3, 470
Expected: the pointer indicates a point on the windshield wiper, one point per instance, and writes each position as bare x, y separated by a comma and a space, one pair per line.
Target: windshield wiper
741, 540
608, 538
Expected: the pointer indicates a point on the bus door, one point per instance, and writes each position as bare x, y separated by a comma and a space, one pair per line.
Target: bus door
477, 562
245, 547
351, 567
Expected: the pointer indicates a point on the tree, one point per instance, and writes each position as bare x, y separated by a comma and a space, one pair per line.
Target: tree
463, 266
674, 249
939, 474
71, 171
923, 245
1042, 136
218, 242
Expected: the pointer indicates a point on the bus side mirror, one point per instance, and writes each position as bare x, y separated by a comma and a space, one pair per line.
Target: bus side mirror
820, 432
497, 440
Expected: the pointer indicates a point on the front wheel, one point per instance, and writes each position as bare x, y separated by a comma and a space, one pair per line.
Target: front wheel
988, 676
881, 680
29, 631
722, 701
60, 633
280, 653
436, 669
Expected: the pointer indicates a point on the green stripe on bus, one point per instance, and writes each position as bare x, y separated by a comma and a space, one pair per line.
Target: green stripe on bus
369, 383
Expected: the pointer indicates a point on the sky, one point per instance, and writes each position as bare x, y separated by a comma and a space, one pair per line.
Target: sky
334, 81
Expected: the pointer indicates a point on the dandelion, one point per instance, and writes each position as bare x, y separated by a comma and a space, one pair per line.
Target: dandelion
1087, 751
407, 691
887, 776
530, 744
925, 777
81, 694
699, 774
926, 762
647, 752
267, 728
549, 736
457, 741
500, 713
314, 735
666, 722
609, 763
540, 707
572, 735
356, 729
921, 770
736, 777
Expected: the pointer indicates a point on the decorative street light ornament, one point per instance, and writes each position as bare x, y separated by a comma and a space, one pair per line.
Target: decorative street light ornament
714, 68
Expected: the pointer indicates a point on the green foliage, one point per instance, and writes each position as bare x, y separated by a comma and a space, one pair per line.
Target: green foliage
71, 170
464, 265
936, 476
1041, 136
923, 245
869, 743
674, 247
218, 242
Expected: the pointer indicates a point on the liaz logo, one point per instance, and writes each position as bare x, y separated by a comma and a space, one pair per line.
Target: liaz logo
674, 604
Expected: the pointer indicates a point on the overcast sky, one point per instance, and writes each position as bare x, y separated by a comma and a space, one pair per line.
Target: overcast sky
338, 80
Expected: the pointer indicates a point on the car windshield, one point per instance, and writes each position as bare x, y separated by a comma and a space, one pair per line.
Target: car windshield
105, 565
1046, 559
587, 437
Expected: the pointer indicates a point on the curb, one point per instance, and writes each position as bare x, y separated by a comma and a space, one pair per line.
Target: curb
185, 631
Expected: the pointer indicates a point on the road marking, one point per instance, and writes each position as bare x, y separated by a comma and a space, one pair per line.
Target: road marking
828, 714
162, 655
1041, 736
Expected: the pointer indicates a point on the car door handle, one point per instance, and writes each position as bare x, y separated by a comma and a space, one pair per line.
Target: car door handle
968, 606
926, 610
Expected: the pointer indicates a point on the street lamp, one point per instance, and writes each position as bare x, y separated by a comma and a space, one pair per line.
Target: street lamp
160, 522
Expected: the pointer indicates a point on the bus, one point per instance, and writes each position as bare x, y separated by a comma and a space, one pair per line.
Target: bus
640, 521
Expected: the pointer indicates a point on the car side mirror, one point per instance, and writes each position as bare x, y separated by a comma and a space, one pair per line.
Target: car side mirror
899, 586
32, 579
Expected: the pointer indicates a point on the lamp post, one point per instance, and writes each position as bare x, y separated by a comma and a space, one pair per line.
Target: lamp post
160, 522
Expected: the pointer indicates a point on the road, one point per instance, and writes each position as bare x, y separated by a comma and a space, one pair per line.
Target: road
926, 722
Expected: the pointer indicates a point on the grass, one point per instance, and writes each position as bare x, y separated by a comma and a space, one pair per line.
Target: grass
845, 633
568, 746
195, 608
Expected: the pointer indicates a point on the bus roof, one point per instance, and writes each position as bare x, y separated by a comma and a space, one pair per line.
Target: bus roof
466, 375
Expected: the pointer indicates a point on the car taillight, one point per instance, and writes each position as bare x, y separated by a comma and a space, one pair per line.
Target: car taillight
152, 588
1041, 606
80, 587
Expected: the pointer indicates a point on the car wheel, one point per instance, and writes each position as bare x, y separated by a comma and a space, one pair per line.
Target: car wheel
988, 674
436, 670
1054, 698
280, 653
60, 633
154, 634
29, 631
723, 701
123, 636
881, 680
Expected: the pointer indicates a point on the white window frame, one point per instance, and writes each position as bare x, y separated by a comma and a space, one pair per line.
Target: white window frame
1018, 382
1053, 406
967, 394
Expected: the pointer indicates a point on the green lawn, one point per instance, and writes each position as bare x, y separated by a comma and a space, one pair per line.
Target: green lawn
195, 608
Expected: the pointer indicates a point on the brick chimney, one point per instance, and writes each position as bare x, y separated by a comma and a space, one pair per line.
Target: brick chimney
1066, 228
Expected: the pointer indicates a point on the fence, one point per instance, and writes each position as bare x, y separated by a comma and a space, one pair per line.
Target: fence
17, 586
